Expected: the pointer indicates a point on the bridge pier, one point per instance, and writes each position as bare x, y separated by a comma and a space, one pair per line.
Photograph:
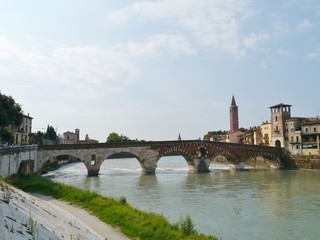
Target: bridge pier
149, 165
93, 172
200, 165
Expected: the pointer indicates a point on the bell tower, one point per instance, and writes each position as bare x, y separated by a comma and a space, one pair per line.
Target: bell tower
234, 117
279, 113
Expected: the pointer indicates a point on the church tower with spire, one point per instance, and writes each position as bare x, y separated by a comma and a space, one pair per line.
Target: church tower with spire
234, 117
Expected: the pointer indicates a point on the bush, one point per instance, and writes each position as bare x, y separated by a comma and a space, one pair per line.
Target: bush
186, 226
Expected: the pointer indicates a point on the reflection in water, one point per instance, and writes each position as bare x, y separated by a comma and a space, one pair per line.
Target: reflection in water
233, 205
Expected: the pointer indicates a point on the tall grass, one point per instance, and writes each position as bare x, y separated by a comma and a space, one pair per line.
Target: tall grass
116, 212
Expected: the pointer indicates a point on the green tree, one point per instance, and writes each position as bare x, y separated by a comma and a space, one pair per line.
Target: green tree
7, 135
214, 133
36, 138
50, 134
115, 137
10, 111
10, 114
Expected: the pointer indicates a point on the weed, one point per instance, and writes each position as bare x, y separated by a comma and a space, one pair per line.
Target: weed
186, 225
6, 193
123, 200
32, 226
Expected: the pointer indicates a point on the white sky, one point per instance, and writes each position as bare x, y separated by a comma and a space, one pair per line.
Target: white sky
153, 69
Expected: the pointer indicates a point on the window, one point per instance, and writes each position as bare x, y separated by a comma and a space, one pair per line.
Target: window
276, 118
306, 130
315, 129
297, 139
93, 159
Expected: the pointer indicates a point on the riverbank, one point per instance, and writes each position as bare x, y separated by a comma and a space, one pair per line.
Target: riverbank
117, 212
25, 216
306, 162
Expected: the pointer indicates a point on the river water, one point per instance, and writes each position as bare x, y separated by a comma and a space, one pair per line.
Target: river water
251, 204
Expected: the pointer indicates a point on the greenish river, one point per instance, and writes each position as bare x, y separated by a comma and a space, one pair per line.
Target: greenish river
229, 204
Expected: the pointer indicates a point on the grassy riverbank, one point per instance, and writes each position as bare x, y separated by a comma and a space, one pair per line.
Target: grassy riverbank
116, 212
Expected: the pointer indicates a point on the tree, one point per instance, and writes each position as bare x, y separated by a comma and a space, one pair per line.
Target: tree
115, 137
36, 138
10, 111
10, 114
50, 134
214, 133
7, 135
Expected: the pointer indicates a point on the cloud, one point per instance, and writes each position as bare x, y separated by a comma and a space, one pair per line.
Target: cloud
158, 45
263, 65
304, 25
314, 55
8, 49
214, 24
253, 41
92, 70
280, 28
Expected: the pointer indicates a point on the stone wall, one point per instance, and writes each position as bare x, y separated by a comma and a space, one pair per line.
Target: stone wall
13, 159
307, 162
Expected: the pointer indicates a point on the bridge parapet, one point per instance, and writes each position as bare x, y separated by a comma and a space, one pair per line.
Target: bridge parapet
11, 159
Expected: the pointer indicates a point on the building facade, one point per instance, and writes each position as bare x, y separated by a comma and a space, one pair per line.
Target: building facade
302, 136
69, 137
310, 135
279, 113
22, 132
74, 138
293, 141
266, 133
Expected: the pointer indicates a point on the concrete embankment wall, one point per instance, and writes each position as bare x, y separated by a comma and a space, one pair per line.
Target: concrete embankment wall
13, 159
307, 162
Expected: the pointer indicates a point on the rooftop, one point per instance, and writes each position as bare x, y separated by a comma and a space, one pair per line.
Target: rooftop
281, 105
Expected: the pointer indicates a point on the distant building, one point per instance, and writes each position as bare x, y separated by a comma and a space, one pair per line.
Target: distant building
279, 114
74, 138
70, 137
235, 134
22, 132
266, 133
310, 134
253, 136
293, 140
234, 116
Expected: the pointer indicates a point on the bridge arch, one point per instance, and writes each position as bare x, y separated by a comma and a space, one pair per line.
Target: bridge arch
179, 152
57, 157
230, 157
124, 154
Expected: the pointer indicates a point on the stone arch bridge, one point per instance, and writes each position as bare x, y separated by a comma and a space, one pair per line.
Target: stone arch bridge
198, 154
